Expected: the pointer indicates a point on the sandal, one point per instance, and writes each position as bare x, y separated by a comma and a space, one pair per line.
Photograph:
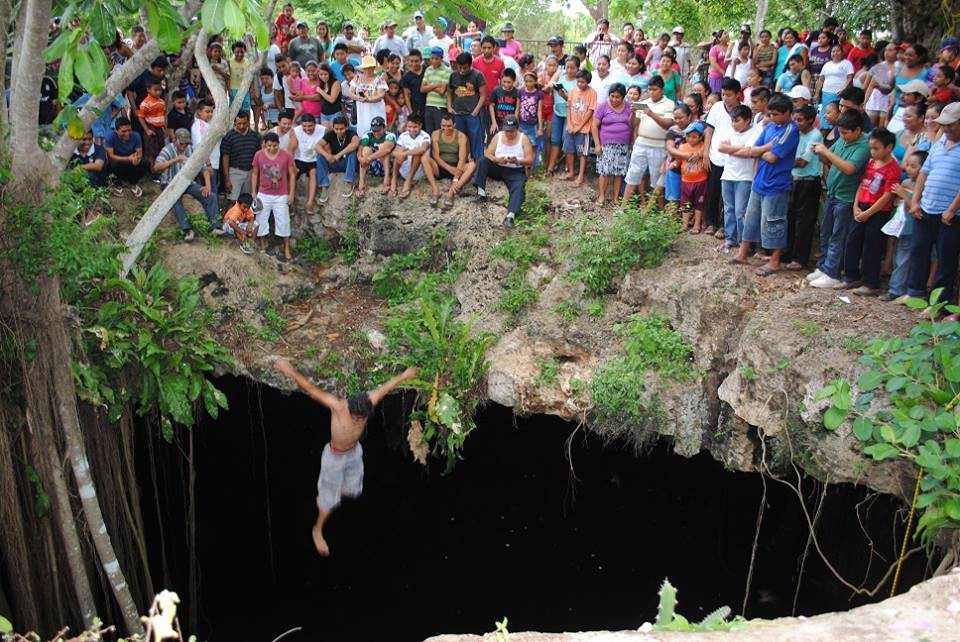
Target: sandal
448, 202
403, 194
719, 234
793, 266
348, 193
765, 270
136, 191
434, 199
736, 261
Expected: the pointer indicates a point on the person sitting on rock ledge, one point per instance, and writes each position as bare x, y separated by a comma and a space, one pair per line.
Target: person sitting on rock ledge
451, 157
341, 465
507, 154
374, 155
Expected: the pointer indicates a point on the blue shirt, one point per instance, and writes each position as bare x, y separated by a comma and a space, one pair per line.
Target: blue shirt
337, 70
812, 168
942, 168
121, 148
776, 178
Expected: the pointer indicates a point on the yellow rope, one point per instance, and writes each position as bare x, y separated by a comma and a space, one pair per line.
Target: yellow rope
906, 535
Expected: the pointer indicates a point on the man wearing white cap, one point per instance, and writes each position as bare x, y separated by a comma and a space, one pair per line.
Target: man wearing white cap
355, 44
934, 206
683, 52
419, 35
390, 41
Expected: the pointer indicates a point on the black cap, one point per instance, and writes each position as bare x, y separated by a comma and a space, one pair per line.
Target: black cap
302, 24
378, 123
555, 40
510, 123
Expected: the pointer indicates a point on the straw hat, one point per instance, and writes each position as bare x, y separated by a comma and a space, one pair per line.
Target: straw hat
368, 62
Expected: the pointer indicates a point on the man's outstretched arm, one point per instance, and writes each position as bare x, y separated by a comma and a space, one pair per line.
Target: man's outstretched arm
330, 401
376, 396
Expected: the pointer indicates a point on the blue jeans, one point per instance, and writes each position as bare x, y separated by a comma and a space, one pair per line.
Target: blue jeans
928, 232
559, 126
901, 265
472, 127
530, 131
208, 202
514, 178
837, 215
347, 164
864, 250
672, 191
736, 195
766, 220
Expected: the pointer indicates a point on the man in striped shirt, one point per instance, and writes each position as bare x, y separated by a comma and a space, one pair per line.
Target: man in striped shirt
935, 202
236, 156
168, 164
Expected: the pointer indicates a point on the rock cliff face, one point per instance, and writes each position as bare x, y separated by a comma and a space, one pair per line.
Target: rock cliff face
763, 346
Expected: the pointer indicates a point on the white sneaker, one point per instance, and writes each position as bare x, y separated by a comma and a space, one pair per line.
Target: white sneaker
218, 231
813, 276
826, 282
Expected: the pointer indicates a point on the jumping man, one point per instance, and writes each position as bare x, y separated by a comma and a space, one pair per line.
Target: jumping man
341, 466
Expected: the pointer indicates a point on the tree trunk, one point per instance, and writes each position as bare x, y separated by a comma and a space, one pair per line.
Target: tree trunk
761, 16
599, 9
925, 22
223, 115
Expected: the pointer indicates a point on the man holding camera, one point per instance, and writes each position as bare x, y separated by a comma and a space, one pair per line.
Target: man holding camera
600, 42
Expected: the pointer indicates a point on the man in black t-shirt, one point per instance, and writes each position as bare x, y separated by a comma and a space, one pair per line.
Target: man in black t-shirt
410, 83
180, 116
91, 158
137, 90
48, 98
337, 152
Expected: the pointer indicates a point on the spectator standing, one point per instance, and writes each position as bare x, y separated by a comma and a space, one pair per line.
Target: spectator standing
236, 156
651, 121
511, 46
682, 58
504, 100
835, 76
863, 49
434, 85
491, 66
718, 61
611, 131
411, 83
601, 42
367, 90
672, 81
304, 48
273, 173
356, 46
582, 102
197, 132
805, 197
152, 115
419, 35
466, 96
719, 129
390, 41
442, 39
737, 173
285, 27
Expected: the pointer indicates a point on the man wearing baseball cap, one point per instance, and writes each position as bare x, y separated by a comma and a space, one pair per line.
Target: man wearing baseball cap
374, 155
304, 47
419, 35
600, 42
168, 164
683, 52
556, 49
936, 199
390, 41
354, 44
508, 153
442, 39
434, 86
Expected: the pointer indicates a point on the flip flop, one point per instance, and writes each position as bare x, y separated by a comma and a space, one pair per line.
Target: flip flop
765, 270
448, 202
403, 194
735, 261
434, 199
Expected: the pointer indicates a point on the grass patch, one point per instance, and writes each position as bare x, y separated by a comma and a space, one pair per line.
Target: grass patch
638, 237
424, 271
549, 372
315, 250
568, 310
524, 249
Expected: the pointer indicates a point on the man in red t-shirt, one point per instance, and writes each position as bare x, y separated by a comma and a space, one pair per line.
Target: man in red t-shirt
274, 176
866, 242
490, 65
863, 49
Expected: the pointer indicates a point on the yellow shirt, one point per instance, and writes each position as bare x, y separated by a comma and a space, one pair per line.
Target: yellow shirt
237, 70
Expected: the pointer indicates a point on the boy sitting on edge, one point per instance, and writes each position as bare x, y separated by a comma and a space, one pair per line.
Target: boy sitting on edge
239, 221
341, 465
866, 242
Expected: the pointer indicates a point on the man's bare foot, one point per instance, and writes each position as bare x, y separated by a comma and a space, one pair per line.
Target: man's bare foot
579, 180
386, 188
319, 542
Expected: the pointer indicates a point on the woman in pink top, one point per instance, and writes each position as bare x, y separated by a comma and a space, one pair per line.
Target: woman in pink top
718, 62
511, 46
311, 100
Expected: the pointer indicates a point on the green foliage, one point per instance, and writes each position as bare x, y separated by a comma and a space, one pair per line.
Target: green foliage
638, 237
406, 277
523, 248
595, 307
649, 343
143, 339
349, 245
906, 406
549, 371
568, 310
273, 326
315, 250
41, 498
669, 620
518, 296
6, 627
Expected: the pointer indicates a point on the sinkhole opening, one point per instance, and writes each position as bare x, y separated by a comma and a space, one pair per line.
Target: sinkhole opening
513, 531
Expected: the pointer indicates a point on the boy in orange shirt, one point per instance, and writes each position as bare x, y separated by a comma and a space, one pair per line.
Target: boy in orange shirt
239, 221
581, 103
152, 115
693, 176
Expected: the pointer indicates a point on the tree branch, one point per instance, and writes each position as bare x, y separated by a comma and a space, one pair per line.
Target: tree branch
28, 75
6, 14
223, 115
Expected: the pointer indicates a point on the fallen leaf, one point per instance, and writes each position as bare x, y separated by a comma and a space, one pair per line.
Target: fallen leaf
418, 446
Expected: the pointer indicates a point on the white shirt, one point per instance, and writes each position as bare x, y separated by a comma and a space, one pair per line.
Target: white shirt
284, 138
649, 132
197, 131
834, 75
719, 119
510, 63
306, 143
272, 54
444, 43
394, 45
407, 141
602, 85
417, 40
617, 68
737, 168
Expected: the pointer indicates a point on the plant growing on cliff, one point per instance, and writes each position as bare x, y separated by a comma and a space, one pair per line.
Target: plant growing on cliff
668, 620
649, 344
640, 236
906, 407
524, 249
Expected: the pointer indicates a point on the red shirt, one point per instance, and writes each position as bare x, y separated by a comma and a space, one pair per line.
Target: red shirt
491, 73
877, 181
273, 173
857, 55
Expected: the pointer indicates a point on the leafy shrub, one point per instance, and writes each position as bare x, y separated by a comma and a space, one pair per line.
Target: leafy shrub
669, 620
638, 237
424, 271
906, 406
315, 250
523, 248
518, 296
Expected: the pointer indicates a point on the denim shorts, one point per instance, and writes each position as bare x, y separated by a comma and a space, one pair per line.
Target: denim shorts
530, 131
578, 144
765, 221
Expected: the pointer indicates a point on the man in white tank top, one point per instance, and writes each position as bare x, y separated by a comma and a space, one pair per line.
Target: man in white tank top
303, 146
508, 153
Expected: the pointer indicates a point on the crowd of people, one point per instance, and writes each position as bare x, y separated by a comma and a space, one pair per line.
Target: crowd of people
760, 140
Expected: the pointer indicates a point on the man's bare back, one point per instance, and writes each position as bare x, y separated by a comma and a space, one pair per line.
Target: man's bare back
348, 420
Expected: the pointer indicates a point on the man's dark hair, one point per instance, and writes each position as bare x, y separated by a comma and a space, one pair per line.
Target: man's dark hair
586, 75
153, 82
741, 112
730, 84
271, 137
656, 81
340, 120
340, 45
921, 156
415, 118
285, 113
884, 136
307, 118
488, 40
831, 22
509, 73
347, 67
160, 61
850, 120
948, 72
240, 44
465, 58
763, 93
866, 32
279, 58
795, 58
177, 95
266, 71
360, 405
245, 198
853, 94
243, 114
780, 103
447, 116
807, 112
137, 29
415, 52
122, 122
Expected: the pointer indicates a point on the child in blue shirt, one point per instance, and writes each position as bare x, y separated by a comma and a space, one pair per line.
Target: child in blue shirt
765, 221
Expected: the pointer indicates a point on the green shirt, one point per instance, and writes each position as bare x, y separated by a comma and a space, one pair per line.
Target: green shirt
839, 185
369, 140
435, 77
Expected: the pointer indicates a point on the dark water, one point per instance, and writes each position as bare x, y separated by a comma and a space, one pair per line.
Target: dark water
508, 533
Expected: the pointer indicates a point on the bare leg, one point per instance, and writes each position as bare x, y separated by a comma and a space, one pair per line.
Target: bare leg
602, 190
468, 170
581, 176
628, 192
617, 184
428, 171
318, 541
311, 190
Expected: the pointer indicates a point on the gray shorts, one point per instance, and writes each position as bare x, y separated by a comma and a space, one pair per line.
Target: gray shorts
241, 183
341, 475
